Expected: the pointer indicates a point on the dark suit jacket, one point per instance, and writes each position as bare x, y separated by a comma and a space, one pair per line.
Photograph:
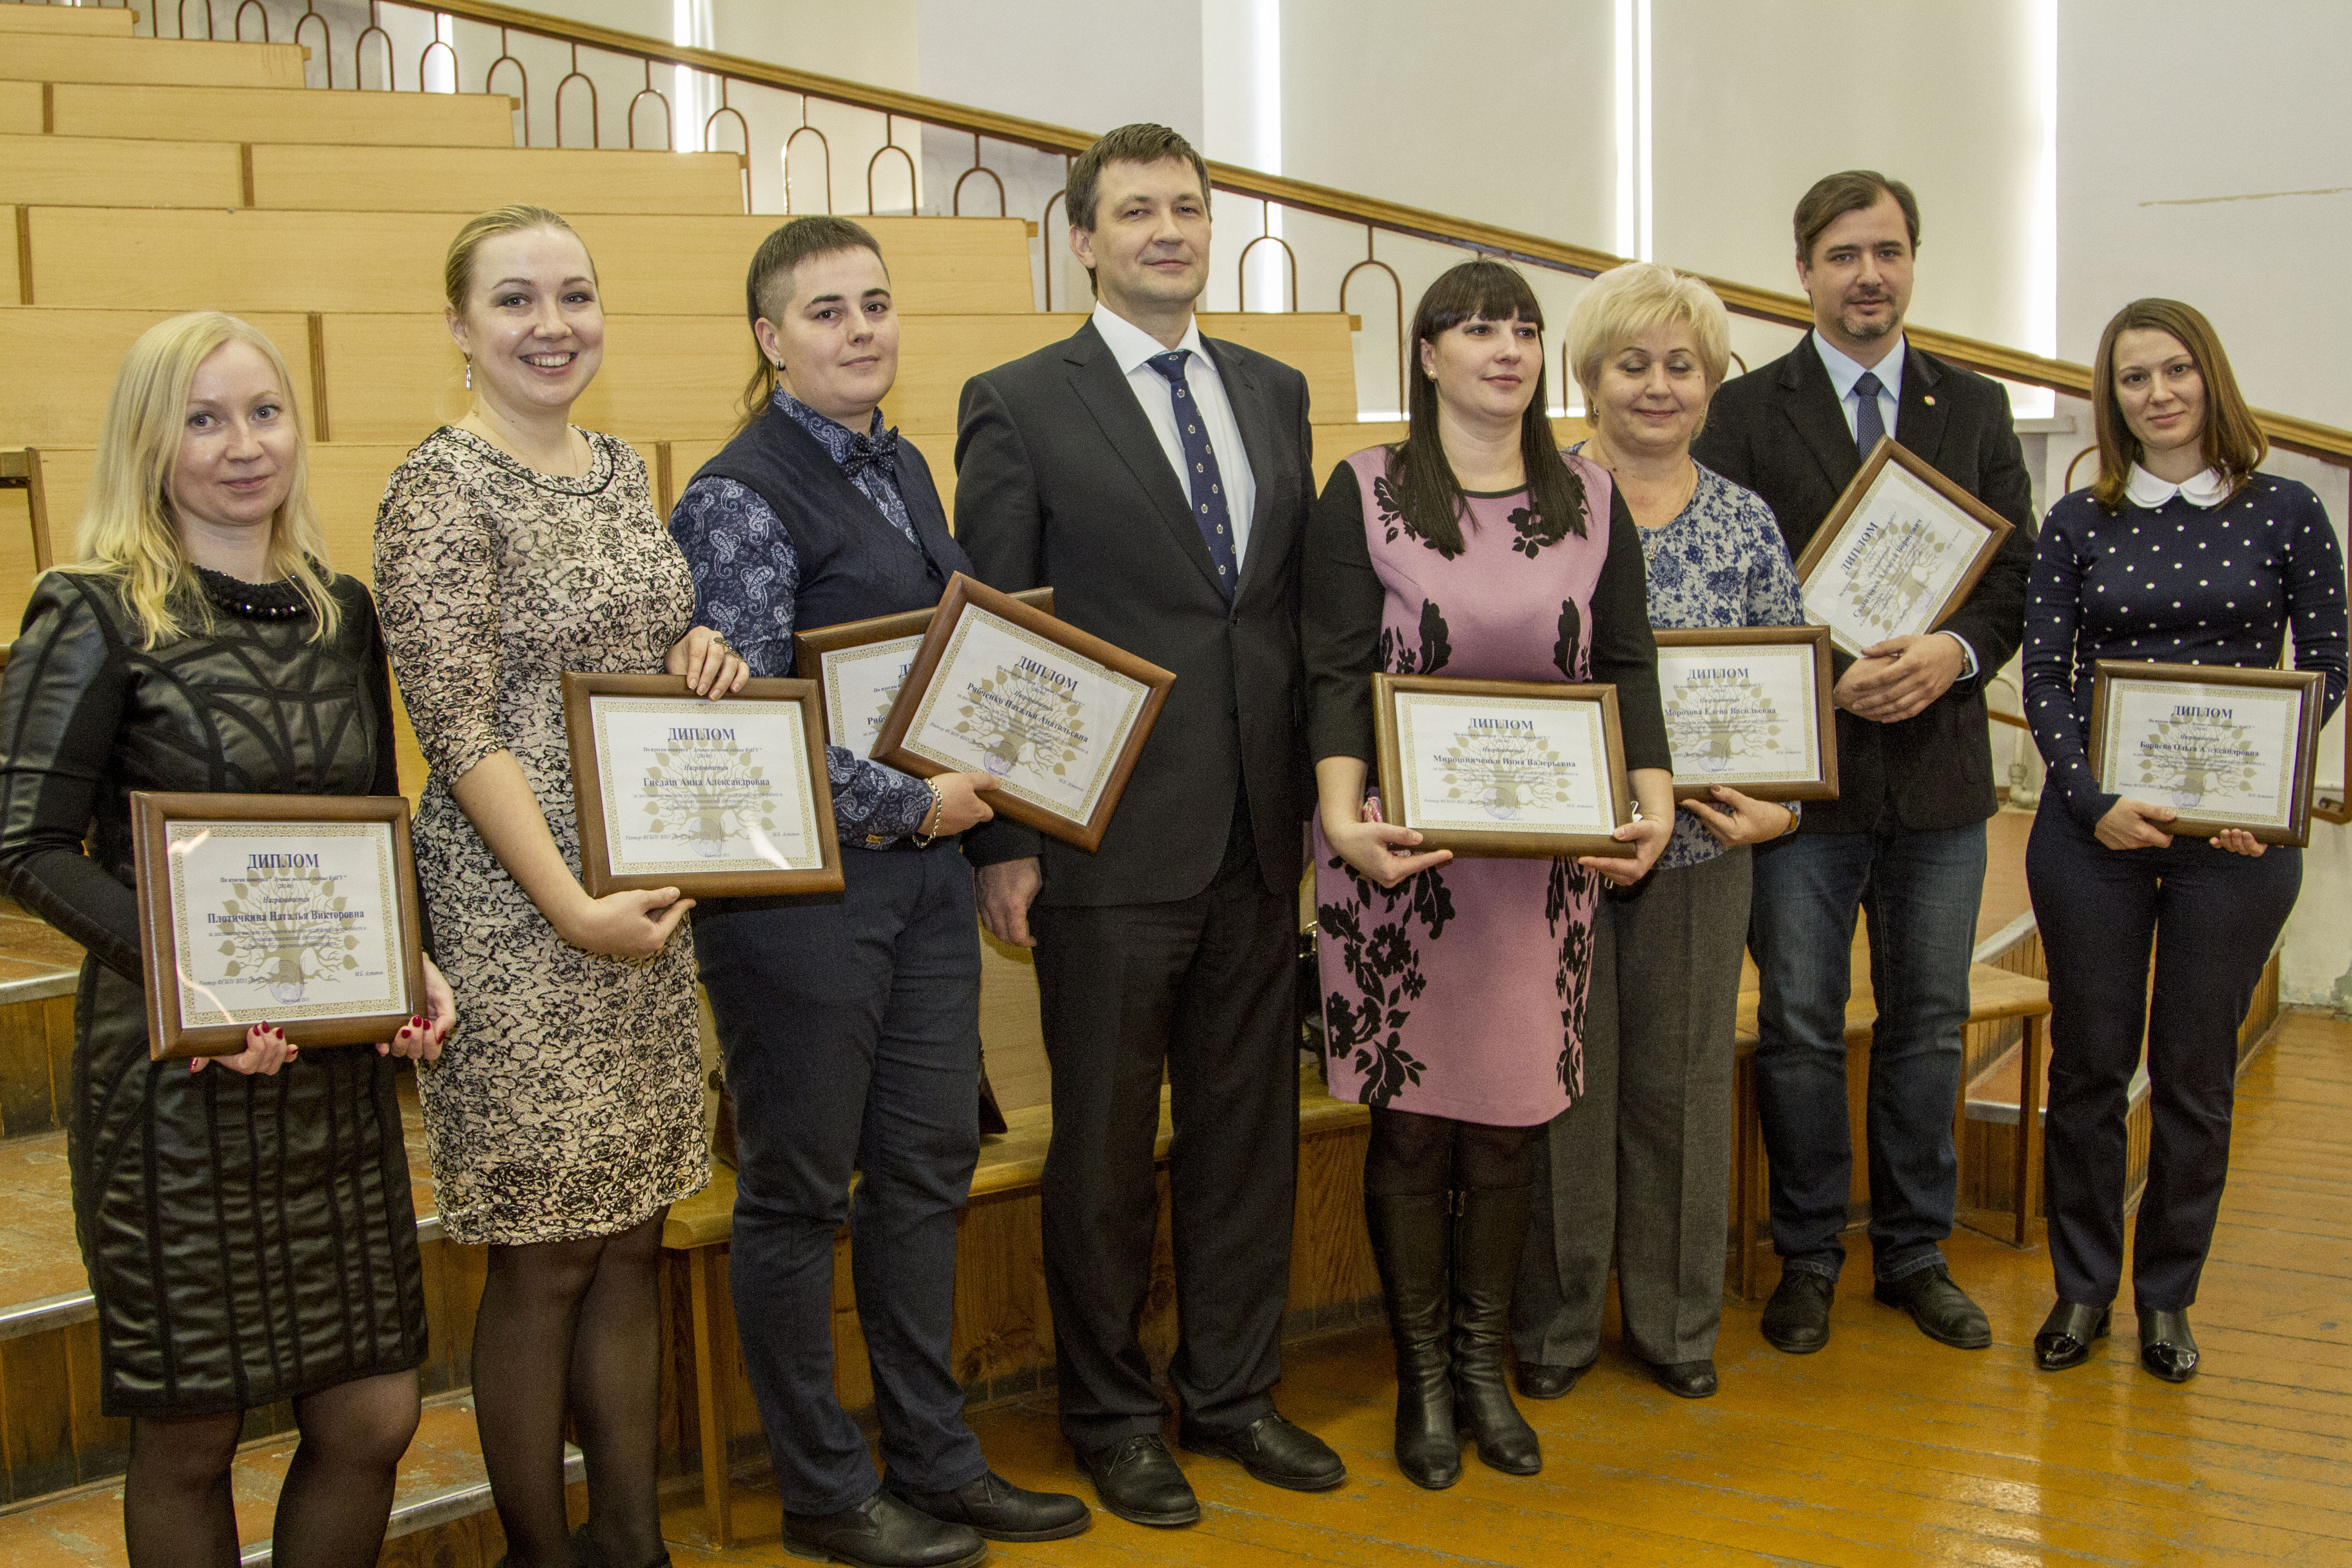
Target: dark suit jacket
1779, 430
1061, 483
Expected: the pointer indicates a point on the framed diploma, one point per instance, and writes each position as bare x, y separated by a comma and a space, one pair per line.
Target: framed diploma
1750, 707
2223, 747
1502, 767
1058, 716
1899, 550
298, 910
858, 666
725, 799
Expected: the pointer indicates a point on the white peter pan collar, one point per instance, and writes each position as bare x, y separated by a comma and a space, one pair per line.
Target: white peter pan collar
2144, 490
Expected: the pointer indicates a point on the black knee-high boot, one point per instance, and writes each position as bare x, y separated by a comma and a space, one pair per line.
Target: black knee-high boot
1487, 1232
1410, 1237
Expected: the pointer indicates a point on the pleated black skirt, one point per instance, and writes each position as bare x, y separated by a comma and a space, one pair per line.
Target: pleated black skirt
248, 1239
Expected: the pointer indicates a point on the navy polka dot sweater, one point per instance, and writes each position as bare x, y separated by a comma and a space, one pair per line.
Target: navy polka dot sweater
2176, 585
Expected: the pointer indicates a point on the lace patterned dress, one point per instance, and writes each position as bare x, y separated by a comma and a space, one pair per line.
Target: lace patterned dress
568, 1103
1461, 992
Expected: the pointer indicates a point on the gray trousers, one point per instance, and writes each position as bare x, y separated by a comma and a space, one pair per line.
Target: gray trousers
1641, 1167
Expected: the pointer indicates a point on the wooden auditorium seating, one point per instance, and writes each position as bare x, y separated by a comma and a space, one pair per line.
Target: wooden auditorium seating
79, 21
182, 112
51, 57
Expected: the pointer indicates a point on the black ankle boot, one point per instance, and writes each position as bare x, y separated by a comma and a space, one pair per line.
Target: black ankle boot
1487, 1231
1409, 1237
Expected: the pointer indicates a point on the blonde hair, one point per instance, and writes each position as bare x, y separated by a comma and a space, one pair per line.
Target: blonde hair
458, 268
1626, 301
130, 530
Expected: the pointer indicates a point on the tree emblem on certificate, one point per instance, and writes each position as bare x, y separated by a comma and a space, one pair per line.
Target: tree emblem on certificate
1056, 714
1502, 767
858, 666
1750, 707
716, 799
2223, 747
1898, 552
299, 910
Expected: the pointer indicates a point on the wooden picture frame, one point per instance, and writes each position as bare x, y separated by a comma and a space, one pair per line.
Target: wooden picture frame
2178, 735
1056, 714
1744, 718
309, 919
849, 686
1517, 726
1899, 552
748, 772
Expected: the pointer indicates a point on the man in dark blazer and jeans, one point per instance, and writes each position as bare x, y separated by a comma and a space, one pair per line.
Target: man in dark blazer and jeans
1904, 840
1160, 482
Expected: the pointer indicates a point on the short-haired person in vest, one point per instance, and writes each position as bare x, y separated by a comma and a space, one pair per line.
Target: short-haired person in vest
1904, 841
1159, 481
851, 1026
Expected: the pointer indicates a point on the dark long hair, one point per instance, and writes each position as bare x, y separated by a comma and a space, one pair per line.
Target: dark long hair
2233, 441
785, 249
1424, 482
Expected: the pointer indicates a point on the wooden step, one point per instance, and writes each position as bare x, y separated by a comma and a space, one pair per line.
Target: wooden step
121, 172
39, 971
297, 113
441, 1509
151, 62
80, 21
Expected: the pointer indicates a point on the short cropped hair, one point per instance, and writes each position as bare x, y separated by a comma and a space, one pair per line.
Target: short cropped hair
1142, 142
1852, 190
1626, 301
786, 247
2233, 442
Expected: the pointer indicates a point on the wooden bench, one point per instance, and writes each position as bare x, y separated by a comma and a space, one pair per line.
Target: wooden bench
180, 114
1329, 1259
1995, 996
116, 171
58, 56
83, 21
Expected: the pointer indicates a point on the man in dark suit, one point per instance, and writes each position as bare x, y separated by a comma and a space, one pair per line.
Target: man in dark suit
1158, 482
1904, 840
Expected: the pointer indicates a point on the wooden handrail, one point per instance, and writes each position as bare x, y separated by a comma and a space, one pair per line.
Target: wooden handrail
2307, 436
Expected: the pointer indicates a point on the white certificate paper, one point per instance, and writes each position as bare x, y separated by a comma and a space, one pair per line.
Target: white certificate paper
285, 920
1896, 561
2218, 754
1488, 762
1048, 723
1740, 715
692, 785
860, 684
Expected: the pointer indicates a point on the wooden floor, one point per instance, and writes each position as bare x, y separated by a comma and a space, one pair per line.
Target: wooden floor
1884, 1448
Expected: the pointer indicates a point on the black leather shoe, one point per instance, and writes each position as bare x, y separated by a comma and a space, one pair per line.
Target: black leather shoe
882, 1532
2067, 1335
1541, 1380
1942, 1309
2166, 1348
1000, 1510
586, 1553
1137, 1479
1278, 1452
1797, 1318
1686, 1379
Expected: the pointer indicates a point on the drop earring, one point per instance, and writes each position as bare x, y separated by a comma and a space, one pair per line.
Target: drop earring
469, 374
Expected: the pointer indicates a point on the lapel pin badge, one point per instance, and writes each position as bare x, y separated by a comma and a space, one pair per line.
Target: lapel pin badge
1930, 400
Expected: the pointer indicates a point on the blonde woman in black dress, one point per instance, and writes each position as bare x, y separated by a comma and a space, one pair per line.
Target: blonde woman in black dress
566, 1115
248, 1228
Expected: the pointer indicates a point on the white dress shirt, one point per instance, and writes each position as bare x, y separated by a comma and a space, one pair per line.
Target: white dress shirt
2204, 492
1133, 346
1844, 371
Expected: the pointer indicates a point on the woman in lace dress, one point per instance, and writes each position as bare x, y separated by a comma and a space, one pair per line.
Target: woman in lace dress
1455, 991
566, 1113
248, 1228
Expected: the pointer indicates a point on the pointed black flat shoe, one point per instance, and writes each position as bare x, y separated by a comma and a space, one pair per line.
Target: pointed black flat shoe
2068, 1333
2166, 1348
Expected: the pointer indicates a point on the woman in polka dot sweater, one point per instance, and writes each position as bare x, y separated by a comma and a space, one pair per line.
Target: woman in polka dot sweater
2182, 553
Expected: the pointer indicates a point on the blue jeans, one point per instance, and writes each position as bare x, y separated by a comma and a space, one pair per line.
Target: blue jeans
1921, 891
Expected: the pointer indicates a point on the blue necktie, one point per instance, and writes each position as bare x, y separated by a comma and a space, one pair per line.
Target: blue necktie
1201, 468
1868, 427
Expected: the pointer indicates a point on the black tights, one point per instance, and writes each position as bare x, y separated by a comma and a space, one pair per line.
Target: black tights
573, 1326
1412, 1154
176, 1507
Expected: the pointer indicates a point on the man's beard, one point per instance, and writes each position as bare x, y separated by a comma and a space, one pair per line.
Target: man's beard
1869, 332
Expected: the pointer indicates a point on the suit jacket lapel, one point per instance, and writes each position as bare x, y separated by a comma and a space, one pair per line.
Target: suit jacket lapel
1919, 422
1810, 404
1250, 414
1107, 396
